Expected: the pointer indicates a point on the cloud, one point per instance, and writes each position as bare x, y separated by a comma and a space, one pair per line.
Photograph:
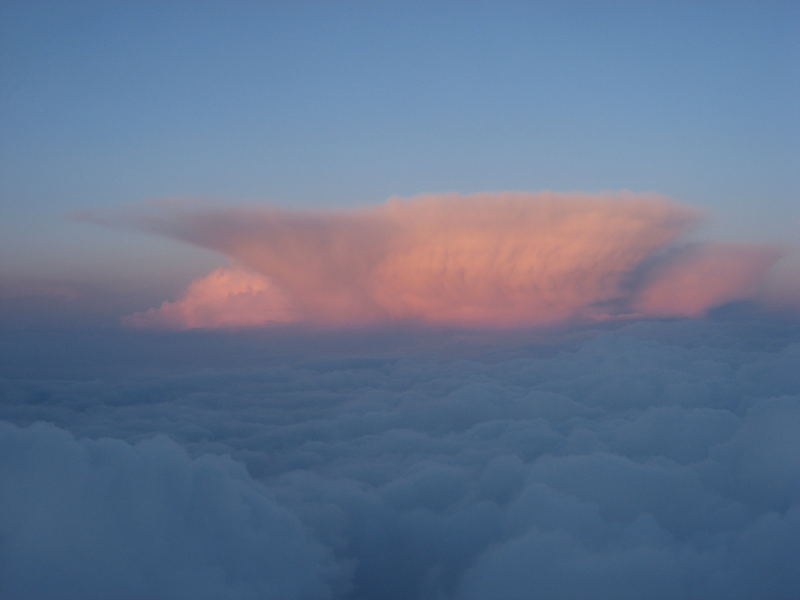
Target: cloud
107, 519
653, 459
223, 298
781, 293
700, 277
494, 259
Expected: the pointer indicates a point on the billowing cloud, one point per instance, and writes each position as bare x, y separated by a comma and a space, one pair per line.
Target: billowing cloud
144, 521
495, 259
652, 460
782, 290
699, 277
223, 298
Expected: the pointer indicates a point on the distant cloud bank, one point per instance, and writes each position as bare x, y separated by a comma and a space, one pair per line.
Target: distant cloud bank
487, 260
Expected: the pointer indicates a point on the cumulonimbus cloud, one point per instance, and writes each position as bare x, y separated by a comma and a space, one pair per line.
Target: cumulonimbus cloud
492, 259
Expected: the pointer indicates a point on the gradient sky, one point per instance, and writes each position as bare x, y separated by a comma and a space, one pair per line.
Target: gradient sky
108, 104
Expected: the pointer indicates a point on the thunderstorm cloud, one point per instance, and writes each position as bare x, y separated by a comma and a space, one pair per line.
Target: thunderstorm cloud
486, 260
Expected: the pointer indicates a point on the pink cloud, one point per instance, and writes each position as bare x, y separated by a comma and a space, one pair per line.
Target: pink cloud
702, 277
224, 298
494, 259
781, 293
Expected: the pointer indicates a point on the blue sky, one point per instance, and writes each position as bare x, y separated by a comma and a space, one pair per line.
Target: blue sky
329, 103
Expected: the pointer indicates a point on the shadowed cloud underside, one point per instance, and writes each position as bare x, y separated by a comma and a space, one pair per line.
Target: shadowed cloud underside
489, 260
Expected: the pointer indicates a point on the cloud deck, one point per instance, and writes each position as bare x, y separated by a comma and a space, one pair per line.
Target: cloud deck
655, 460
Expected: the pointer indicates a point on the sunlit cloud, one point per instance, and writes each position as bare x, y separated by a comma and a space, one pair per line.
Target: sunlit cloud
700, 277
223, 298
782, 290
493, 259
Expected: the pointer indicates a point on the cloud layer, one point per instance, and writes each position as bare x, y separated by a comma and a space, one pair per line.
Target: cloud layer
107, 519
657, 460
498, 259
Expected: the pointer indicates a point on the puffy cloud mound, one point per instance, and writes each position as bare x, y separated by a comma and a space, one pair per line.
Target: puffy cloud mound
223, 298
106, 519
654, 460
495, 259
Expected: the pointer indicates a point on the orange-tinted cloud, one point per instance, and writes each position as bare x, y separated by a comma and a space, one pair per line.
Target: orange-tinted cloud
782, 290
224, 298
700, 277
495, 259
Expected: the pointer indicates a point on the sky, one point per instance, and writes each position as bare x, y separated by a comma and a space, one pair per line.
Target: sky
399, 300
322, 104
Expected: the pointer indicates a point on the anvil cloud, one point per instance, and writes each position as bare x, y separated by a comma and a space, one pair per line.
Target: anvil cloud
494, 259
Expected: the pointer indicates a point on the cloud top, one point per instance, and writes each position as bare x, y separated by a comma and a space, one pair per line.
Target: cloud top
492, 259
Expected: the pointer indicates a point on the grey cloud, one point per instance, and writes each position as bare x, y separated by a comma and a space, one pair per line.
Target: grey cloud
653, 460
92, 519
